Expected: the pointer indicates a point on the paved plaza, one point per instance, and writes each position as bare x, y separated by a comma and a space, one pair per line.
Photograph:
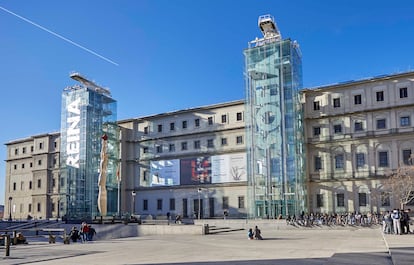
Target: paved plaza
292, 247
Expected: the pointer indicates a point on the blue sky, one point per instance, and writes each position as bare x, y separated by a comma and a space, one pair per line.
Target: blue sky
176, 54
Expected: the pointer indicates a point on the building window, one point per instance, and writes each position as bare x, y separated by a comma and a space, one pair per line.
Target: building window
339, 161
22, 185
145, 205
16, 151
197, 122
385, 199
184, 125
380, 95
360, 160
358, 126
405, 121
318, 163
145, 175
31, 148
316, 131
407, 156
159, 204
239, 116
224, 118
171, 148
29, 208
172, 204
146, 130
39, 162
31, 164
197, 144
159, 148
241, 202
381, 124
337, 128
24, 150
22, 166
316, 105
225, 202
15, 166
383, 158
340, 200
40, 145
39, 183
159, 127
172, 126
403, 92
145, 150
14, 185
54, 144
337, 102
223, 141
53, 182
184, 146
30, 185
210, 143
38, 207
362, 199
239, 139
319, 200
210, 120
357, 99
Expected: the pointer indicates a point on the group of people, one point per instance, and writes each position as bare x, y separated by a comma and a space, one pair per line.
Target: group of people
396, 222
86, 233
256, 234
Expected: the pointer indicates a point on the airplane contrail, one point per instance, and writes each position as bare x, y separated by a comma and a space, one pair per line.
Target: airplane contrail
59, 36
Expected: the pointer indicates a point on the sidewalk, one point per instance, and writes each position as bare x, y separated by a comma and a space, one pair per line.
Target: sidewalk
292, 247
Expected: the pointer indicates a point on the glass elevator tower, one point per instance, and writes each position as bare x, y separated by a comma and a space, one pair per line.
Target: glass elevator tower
274, 128
88, 112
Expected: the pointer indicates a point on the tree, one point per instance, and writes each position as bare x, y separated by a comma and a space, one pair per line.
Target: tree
401, 185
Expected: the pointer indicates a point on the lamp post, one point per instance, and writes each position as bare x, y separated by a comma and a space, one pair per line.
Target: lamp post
10, 201
133, 201
199, 203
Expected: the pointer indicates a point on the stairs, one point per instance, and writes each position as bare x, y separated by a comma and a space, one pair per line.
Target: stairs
223, 229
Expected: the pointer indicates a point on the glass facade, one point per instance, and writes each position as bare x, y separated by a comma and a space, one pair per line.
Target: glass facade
274, 128
87, 113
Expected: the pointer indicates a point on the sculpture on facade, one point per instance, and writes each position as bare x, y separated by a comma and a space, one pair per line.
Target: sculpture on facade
102, 196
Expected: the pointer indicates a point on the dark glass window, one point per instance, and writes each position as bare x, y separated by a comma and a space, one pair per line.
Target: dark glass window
360, 160
381, 124
159, 127
383, 158
210, 120
407, 157
224, 118
197, 122
340, 200
316, 105
318, 163
184, 124
241, 202
403, 92
319, 200
184, 146
172, 126
380, 95
336, 102
239, 116
339, 161
362, 199
358, 126
172, 204
316, 131
337, 128
145, 205
197, 144
159, 204
357, 99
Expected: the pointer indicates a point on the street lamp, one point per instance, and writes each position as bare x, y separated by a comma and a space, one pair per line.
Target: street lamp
10, 201
133, 201
199, 202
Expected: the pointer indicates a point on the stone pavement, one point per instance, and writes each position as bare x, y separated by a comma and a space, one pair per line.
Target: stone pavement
291, 247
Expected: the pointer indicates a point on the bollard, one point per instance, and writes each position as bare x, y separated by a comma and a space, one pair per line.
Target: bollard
14, 237
206, 229
7, 244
